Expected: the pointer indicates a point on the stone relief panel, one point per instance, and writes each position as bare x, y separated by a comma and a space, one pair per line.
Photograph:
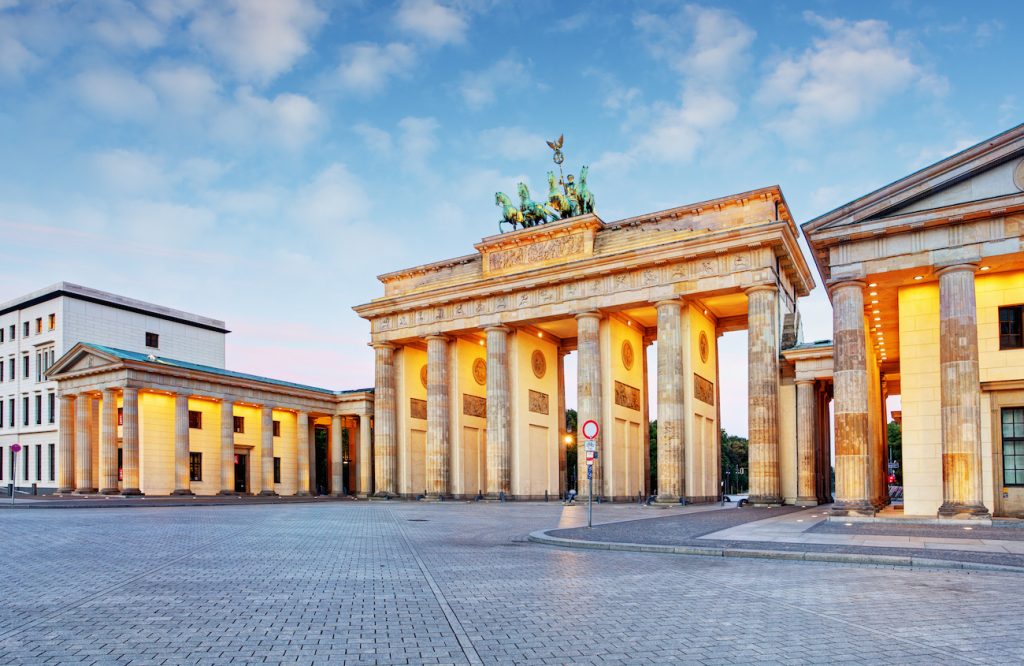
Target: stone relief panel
538, 364
627, 355
539, 252
703, 389
538, 402
627, 396
703, 347
474, 405
480, 371
418, 408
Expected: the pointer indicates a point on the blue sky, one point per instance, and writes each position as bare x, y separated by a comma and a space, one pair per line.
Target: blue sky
262, 162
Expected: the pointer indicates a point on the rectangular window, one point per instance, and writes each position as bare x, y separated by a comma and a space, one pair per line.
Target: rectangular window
24, 330
51, 405
52, 321
10, 366
120, 464
1, 413
1, 462
24, 461
2, 370
25, 366
1013, 446
277, 470
39, 367
120, 416
53, 463
1011, 332
240, 424
39, 462
10, 417
39, 408
14, 472
24, 410
277, 428
152, 340
1, 340
39, 325
12, 332
195, 420
195, 466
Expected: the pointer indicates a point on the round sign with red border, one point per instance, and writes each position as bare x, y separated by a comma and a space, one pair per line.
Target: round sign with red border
589, 429
15, 447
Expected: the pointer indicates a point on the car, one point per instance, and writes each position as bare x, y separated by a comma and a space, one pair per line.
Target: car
741, 499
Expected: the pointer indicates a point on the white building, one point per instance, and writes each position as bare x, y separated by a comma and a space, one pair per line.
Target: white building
38, 328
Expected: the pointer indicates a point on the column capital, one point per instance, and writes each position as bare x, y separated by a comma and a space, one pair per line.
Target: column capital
438, 336
764, 286
383, 345
843, 284
798, 382
497, 327
669, 301
590, 314
953, 268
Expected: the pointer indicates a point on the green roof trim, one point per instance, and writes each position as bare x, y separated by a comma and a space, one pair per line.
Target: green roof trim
811, 345
185, 365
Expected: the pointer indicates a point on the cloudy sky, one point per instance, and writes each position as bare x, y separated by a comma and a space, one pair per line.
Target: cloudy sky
261, 162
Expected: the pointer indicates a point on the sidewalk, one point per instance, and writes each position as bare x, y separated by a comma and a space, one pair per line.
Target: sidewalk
804, 534
120, 501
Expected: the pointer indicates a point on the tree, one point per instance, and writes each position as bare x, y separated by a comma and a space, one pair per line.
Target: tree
652, 430
895, 432
735, 457
570, 449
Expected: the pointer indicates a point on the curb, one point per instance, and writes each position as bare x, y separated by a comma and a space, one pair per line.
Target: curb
542, 537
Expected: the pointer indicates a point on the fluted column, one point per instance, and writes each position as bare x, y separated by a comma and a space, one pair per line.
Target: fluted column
960, 395
499, 436
562, 469
806, 444
337, 464
267, 450
108, 443
66, 452
763, 394
130, 477
671, 426
438, 436
302, 453
385, 435
365, 460
83, 445
850, 379
588, 395
182, 484
227, 447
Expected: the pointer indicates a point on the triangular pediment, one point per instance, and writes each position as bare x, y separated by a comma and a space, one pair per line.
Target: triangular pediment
81, 358
991, 171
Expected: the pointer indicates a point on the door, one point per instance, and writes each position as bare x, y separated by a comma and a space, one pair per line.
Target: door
241, 472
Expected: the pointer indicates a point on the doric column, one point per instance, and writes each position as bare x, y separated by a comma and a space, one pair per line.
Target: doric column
365, 460
267, 450
83, 445
385, 435
960, 395
588, 394
671, 426
562, 445
438, 444
806, 406
763, 394
227, 447
66, 452
130, 477
337, 464
499, 444
182, 485
108, 443
302, 453
850, 378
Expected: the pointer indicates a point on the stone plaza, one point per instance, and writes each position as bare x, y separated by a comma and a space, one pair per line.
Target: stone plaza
428, 583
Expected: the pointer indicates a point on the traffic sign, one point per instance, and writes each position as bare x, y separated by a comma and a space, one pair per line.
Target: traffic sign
590, 471
894, 465
15, 447
589, 429
590, 445
590, 457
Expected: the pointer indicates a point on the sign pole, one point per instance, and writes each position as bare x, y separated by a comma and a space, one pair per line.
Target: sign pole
590, 496
16, 448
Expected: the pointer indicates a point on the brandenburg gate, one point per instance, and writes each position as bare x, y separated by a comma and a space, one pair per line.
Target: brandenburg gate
470, 387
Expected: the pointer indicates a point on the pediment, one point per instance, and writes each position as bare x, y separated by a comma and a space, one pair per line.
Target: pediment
81, 358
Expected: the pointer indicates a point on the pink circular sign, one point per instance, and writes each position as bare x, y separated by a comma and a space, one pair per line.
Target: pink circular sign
589, 429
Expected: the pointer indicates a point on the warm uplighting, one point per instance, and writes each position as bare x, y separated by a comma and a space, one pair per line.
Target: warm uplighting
540, 335
481, 343
873, 284
877, 311
918, 277
878, 319
568, 439
874, 302
985, 268
874, 293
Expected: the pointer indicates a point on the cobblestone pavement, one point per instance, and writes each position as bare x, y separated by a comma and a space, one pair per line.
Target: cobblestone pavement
413, 583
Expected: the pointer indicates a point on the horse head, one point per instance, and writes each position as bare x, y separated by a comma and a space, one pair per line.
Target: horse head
583, 174
524, 193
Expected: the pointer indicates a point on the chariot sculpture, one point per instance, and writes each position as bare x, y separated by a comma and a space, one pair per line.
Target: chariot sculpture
565, 198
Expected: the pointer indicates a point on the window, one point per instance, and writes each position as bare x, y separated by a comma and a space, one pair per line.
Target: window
53, 463
120, 464
240, 424
39, 325
1013, 446
1011, 333
10, 417
24, 366
24, 461
1, 413
51, 322
10, 366
24, 410
12, 332
277, 470
152, 340
2, 370
24, 330
39, 462
1, 462
51, 412
1, 340
195, 420
39, 367
195, 466
120, 416
39, 408
277, 428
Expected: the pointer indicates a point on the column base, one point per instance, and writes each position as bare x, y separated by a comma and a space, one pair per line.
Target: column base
181, 491
807, 501
132, 492
227, 492
950, 511
764, 500
437, 497
861, 508
338, 494
302, 493
110, 491
666, 499
267, 493
66, 490
85, 491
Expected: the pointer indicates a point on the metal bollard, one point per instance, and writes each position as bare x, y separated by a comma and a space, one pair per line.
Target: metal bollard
545, 496
501, 496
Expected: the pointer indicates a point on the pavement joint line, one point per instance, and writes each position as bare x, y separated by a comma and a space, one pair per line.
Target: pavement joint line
465, 642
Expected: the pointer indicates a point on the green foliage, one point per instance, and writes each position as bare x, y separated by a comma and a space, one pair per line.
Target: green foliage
653, 433
895, 433
570, 449
735, 462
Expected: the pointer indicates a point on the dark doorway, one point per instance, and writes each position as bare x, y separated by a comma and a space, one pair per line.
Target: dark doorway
241, 472
323, 476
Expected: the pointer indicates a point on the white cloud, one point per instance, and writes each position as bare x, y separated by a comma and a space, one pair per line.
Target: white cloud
377, 141
130, 171
433, 21
188, 89
258, 39
417, 140
366, 68
842, 77
705, 45
511, 143
333, 198
125, 26
116, 94
288, 120
480, 89
15, 57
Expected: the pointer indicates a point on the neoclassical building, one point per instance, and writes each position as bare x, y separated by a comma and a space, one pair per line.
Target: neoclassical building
470, 391
135, 423
926, 278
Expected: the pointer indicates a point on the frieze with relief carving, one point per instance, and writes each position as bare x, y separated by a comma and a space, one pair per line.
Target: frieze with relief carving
538, 402
627, 396
703, 390
535, 253
418, 408
474, 405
